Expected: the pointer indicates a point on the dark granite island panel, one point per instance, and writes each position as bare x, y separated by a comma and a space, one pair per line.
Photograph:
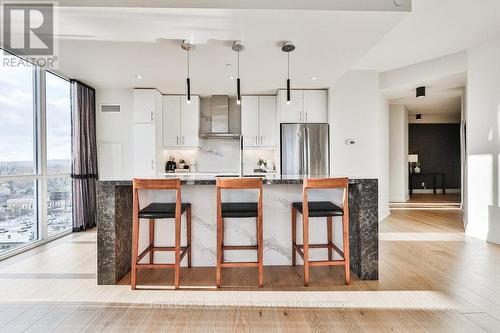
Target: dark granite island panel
114, 226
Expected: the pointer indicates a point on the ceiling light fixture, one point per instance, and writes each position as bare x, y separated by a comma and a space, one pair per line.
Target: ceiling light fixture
420, 92
418, 117
187, 47
313, 78
237, 47
288, 47
138, 76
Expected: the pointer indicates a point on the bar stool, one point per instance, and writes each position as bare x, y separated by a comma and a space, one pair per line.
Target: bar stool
322, 209
156, 211
239, 210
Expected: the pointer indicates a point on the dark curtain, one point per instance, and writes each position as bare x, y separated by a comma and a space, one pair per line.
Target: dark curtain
84, 152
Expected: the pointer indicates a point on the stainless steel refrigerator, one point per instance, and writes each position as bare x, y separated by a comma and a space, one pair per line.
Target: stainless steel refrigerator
305, 149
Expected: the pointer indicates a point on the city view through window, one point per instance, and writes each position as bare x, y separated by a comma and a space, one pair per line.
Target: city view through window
29, 180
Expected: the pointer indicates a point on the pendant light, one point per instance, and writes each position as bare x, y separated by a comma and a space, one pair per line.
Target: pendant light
187, 47
288, 47
237, 47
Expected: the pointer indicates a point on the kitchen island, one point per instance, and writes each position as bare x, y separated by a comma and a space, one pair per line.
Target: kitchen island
114, 224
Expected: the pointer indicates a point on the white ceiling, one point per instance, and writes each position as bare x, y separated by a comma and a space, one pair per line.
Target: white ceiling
436, 102
435, 28
107, 47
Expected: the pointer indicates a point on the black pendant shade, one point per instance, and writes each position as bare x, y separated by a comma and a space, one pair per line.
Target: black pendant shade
188, 88
420, 92
288, 91
238, 91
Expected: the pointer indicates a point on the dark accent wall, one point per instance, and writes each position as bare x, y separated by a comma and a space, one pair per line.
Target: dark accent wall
438, 149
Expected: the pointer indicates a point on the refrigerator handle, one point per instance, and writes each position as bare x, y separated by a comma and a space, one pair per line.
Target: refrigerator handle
306, 150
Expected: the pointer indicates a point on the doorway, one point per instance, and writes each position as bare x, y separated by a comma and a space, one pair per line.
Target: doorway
433, 150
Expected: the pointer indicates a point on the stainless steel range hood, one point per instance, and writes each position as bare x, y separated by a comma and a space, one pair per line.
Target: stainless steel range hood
219, 114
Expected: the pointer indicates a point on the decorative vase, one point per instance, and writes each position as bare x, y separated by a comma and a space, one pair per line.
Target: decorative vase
416, 170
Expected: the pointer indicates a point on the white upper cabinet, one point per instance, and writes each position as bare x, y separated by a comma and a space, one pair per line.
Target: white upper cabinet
145, 106
181, 121
250, 120
171, 120
258, 121
267, 121
315, 106
306, 106
293, 112
190, 122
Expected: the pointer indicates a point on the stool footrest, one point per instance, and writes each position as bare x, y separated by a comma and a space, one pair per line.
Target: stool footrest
141, 266
327, 263
299, 248
239, 264
151, 248
239, 247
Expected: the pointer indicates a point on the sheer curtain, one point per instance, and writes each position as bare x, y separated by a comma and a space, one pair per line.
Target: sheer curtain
84, 152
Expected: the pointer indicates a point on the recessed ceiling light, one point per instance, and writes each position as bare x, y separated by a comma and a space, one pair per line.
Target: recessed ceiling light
313, 77
138, 76
229, 65
231, 77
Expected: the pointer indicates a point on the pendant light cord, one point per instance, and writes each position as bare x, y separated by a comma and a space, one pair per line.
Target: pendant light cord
288, 54
238, 64
188, 63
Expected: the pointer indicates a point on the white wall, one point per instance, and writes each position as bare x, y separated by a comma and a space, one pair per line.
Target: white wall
483, 141
115, 129
436, 118
398, 153
360, 112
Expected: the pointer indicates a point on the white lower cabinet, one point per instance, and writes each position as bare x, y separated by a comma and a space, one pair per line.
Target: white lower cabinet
258, 121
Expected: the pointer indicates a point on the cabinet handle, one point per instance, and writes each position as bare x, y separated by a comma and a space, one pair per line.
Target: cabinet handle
306, 116
183, 139
151, 115
152, 164
177, 140
261, 140
256, 140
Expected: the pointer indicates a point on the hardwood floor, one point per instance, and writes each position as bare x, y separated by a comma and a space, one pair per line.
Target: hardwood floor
432, 278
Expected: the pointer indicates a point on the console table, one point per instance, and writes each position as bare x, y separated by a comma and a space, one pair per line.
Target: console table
434, 180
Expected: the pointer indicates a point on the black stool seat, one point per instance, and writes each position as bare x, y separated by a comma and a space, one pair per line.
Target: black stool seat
161, 210
240, 209
320, 208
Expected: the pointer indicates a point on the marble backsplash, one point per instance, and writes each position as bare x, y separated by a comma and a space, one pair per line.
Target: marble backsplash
221, 155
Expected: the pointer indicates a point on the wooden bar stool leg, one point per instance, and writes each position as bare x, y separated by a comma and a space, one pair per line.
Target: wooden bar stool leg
260, 250
177, 251
135, 243
294, 235
330, 236
151, 240
306, 249
188, 231
345, 226
220, 221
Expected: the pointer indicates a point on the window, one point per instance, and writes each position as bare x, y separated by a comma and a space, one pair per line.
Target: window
58, 155
30, 180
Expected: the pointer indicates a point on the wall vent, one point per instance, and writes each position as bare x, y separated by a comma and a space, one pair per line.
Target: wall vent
110, 108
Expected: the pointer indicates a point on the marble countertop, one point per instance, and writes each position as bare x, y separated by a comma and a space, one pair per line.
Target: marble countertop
209, 179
